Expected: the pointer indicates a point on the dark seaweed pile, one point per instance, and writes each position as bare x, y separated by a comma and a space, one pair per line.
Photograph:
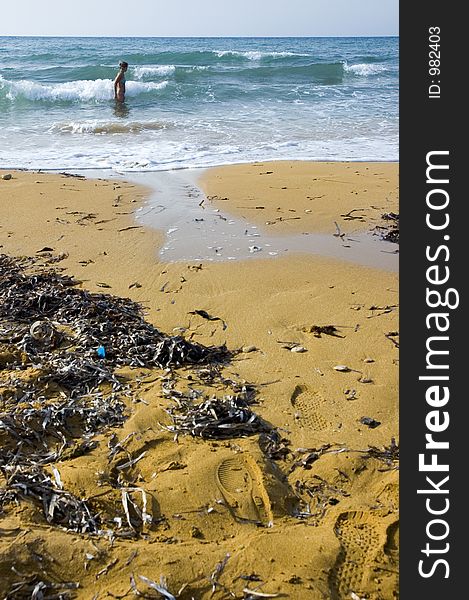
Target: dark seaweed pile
59, 348
391, 232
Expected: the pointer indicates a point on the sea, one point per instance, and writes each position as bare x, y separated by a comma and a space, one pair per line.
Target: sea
196, 102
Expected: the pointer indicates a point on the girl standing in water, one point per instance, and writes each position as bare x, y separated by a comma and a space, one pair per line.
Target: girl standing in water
119, 82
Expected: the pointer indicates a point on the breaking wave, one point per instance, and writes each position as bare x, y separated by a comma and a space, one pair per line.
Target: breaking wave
97, 90
153, 71
107, 127
364, 69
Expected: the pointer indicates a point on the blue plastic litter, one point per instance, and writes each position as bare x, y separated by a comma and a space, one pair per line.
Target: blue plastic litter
101, 352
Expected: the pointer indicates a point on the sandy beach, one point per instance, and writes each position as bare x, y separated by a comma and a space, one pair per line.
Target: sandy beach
316, 516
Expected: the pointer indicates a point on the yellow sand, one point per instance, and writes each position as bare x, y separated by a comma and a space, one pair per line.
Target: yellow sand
200, 489
293, 197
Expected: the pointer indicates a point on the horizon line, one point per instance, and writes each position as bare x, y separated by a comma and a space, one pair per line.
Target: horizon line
196, 36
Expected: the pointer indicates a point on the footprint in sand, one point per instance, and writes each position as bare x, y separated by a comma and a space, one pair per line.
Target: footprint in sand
392, 543
305, 402
240, 481
361, 536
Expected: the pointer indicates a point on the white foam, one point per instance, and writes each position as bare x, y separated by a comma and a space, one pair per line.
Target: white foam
106, 127
153, 71
256, 55
83, 90
364, 69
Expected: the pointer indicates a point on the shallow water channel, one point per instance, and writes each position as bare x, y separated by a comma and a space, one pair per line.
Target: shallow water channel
197, 231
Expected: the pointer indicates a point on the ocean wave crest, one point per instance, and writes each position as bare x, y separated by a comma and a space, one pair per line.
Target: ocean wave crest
256, 54
153, 71
364, 69
107, 127
83, 90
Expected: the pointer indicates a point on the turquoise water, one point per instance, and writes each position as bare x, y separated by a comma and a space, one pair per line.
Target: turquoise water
196, 102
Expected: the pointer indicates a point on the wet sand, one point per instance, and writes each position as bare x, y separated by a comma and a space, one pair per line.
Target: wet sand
327, 509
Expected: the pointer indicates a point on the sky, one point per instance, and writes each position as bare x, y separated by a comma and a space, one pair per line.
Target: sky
202, 18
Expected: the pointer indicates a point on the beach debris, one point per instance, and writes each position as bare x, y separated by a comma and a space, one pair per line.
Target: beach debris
342, 368
390, 232
391, 335
135, 284
117, 322
389, 454
368, 360
57, 397
252, 594
6, 176
215, 418
60, 507
351, 217
384, 310
318, 330
105, 570
42, 331
45, 249
338, 233
130, 227
365, 380
370, 422
128, 503
132, 556
196, 533
216, 574
292, 346
72, 175
161, 587
391, 217
317, 497
281, 219
251, 577
273, 445
204, 314
305, 457
253, 249
248, 349
33, 587
351, 394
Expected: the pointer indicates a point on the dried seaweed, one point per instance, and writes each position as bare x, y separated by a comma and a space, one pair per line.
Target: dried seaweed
35, 588
216, 574
94, 320
389, 454
215, 418
390, 233
161, 588
318, 330
305, 457
274, 445
60, 507
391, 335
205, 315
317, 496
63, 345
